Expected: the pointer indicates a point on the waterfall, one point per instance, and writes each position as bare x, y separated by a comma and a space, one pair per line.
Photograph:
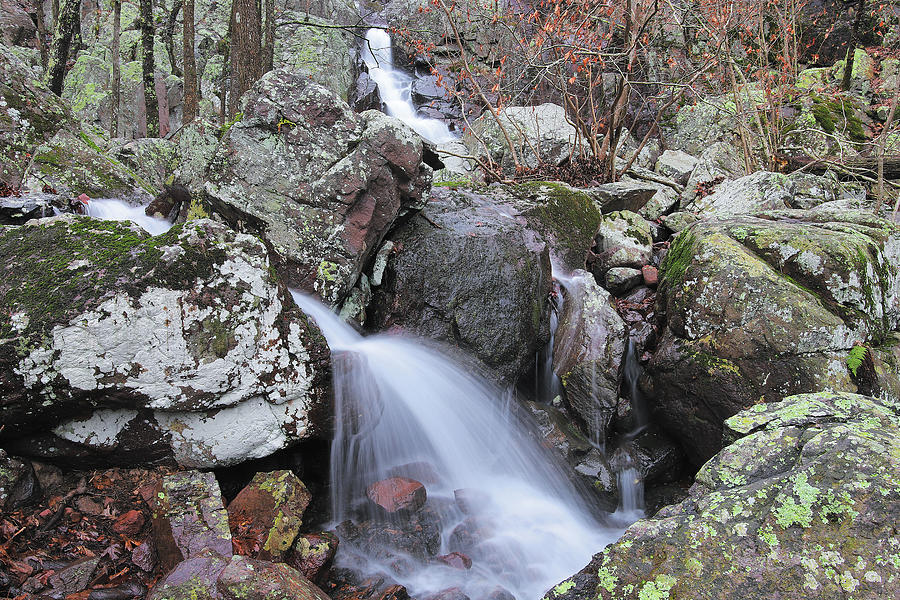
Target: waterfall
395, 88
108, 209
400, 402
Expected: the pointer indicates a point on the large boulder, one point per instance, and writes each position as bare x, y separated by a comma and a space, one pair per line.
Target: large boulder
471, 274
803, 502
762, 306
319, 183
138, 347
321, 51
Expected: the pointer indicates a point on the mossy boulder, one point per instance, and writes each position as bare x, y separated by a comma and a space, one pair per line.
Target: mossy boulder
248, 579
139, 347
803, 502
762, 306
153, 160
472, 274
623, 240
319, 183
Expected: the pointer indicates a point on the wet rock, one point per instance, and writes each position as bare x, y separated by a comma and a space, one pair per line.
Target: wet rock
74, 578
18, 484
622, 195
650, 275
128, 347
600, 475
657, 457
423, 472
319, 183
188, 518
543, 128
192, 579
313, 555
248, 579
676, 165
500, 594
762, 306
471, 276
129, 524
144, 556
365, 95
587, 353
417, 535
456, 560
17, 210
620, 280
397, 494
624, 240
449, 594
265, 516
802, 498
471, 501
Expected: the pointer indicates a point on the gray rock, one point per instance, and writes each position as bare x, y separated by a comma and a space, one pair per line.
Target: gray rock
676, 165
122, 342
758, 307
18, 484
472, 275
321, 184
192, 579
802, 499
621, 279
718, 163
587, 353
750, 194
622, 195
624, 240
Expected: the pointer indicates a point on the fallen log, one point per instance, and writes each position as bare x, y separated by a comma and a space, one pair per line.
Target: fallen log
846, 167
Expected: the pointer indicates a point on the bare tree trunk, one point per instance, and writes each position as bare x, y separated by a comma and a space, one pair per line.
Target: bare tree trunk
191, 96
149, 68
54, 8
223, 82
42, 31
116, 69
169, 37
851, 45
246, 50
269, 37
59, 47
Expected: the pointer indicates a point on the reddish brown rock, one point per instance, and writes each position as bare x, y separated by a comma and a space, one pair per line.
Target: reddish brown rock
313, 554
394, 592
248, 579
457, 560
397, 494
129, 524
188, 516
651, 275
265, 517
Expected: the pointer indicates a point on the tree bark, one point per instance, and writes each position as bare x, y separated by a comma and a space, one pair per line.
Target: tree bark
246, 50
116, 69
169, 37
865, 165
149, 68
191, 95
58, 56
42, 30
269, 38
851, 45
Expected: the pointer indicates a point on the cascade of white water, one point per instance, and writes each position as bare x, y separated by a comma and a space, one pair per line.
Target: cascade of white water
108, 209
395, 88
398, 402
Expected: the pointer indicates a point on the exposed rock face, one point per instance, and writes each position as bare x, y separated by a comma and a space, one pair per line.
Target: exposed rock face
319, 183
804, 501
472, 275
145, 341
587, 353
759, 307
676, 165
313, 554
540, 134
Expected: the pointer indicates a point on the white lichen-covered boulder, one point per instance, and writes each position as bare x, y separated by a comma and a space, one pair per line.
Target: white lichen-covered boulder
319, 183
183, 345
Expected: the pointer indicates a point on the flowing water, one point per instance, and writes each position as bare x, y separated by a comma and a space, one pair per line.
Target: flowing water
108, 209
400, 402
395, 88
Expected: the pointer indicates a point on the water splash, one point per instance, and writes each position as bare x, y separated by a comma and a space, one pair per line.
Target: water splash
395, 88
399, 402
108, 209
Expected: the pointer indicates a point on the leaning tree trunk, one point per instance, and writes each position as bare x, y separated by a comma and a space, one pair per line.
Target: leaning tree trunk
246, 50
191, 97
116, 69
149, 68
59, 46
